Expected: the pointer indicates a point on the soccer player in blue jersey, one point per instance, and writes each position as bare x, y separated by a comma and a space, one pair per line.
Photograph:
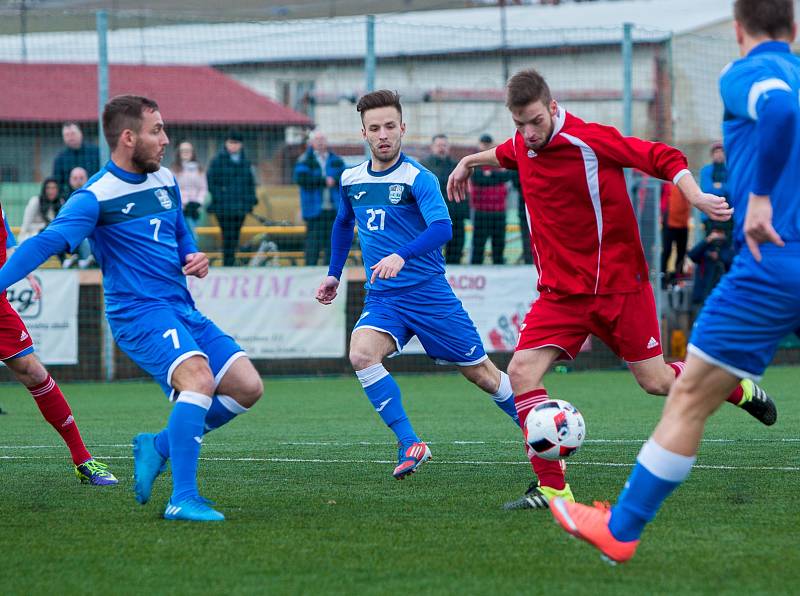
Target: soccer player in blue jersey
759, 299
402, 224
131, 212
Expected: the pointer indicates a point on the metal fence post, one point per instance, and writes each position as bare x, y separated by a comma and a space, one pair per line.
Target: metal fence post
627, 78
101, 21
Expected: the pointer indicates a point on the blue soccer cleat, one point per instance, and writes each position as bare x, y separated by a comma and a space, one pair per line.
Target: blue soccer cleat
147, 465
192, 509
410, 458
96, 473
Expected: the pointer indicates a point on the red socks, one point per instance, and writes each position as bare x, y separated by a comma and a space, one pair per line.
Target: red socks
55, 410
550, 473
736, 395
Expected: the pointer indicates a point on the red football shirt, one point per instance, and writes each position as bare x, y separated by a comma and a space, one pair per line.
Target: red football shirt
584, 234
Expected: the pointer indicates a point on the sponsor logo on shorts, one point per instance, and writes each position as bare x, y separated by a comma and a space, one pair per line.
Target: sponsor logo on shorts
23, 336
652, 343
471, 351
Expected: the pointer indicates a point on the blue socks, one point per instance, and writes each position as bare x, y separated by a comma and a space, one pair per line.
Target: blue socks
223, 409
504, 398
185, 431
384, 395
657, 473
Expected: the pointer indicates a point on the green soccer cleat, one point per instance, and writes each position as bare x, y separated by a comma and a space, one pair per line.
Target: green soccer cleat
96, 473
538, 497
757, 403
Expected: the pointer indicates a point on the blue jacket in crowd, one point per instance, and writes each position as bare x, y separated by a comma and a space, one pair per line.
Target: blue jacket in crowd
309, 176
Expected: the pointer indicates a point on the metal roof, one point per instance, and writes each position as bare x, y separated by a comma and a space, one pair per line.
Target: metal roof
398, 34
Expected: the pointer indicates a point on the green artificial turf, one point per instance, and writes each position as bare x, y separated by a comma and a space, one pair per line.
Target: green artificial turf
305, 482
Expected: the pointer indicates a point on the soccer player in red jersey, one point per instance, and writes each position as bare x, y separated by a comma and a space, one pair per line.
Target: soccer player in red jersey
593, 275
16, 352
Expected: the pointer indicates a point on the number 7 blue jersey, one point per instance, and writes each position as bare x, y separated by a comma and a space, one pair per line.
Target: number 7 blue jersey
392, 208
138, 235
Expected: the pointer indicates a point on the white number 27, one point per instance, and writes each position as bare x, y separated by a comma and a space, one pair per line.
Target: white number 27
380, 214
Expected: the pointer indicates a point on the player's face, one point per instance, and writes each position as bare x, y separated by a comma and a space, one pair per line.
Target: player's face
151, 142
535, 123
383, 130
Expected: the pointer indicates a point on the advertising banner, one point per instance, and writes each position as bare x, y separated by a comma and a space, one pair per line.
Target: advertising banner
272, 313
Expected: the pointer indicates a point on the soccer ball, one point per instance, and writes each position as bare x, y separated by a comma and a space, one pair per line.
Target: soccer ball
554, 429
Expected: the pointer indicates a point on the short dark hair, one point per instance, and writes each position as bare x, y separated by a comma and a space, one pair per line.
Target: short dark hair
124, 112
525, 87
379, 99
441, 135
773, 18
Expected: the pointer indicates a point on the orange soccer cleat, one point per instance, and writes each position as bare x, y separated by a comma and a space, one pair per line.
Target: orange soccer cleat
590, 524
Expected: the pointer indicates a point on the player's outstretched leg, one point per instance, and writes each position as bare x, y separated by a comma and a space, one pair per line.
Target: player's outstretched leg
55, 409
656, 377
526, 371
148, 463
663, 464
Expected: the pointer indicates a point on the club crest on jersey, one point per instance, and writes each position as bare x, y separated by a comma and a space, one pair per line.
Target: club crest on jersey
164, 198
395, 193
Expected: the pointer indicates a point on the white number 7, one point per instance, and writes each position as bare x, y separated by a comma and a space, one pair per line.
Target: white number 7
157, 223
173, 333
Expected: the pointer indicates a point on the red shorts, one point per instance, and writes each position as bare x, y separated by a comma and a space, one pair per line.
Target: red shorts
626, 323
14, 336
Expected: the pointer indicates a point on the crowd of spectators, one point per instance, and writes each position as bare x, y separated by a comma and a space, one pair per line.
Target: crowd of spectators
231, 182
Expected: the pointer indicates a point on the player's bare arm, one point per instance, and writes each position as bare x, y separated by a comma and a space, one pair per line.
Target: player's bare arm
326, 292
32, 281
387, 267
758, 224
715, 207
457, 182
196, 265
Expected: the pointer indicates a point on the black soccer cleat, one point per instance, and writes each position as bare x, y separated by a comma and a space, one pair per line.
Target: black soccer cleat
538, 497
758, 404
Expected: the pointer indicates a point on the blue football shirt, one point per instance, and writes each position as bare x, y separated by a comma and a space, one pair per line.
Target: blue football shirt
745, 85
392, 208
136, 229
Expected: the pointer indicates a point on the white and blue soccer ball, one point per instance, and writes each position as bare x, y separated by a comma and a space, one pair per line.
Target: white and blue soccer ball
554, 429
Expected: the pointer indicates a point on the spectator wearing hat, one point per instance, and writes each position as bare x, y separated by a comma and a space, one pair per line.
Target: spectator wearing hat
318, 172
441, 165
488, 193
232, 185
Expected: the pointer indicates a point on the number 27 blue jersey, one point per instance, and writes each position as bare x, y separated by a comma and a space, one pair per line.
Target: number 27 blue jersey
392, 208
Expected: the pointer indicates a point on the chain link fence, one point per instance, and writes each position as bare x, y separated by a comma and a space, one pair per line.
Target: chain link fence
268, 83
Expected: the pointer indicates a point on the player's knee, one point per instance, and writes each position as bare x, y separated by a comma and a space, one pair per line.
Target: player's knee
518, 372
361, 358
28, 370
654, 386
194, 375
251, 391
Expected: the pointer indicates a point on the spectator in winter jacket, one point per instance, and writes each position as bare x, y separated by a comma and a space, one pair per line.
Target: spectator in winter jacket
318, 172
488, 200
713, 256
233, 192
441, 164
76, 154
714, 175
191, 178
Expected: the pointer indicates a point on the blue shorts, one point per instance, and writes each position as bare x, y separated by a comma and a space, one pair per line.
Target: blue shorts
432, 312
159, 339
752, 309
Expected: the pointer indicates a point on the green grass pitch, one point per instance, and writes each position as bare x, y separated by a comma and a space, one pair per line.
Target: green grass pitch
305, 482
